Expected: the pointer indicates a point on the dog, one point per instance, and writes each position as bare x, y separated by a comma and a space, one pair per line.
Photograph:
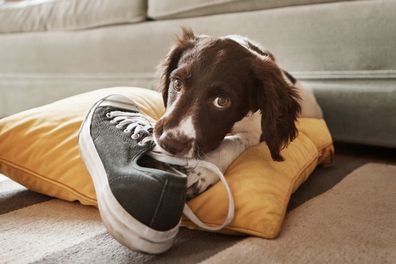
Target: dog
223, 95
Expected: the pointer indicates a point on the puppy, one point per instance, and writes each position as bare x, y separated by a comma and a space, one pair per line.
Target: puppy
223, 95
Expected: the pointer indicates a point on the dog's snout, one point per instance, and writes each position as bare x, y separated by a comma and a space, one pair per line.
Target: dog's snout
175, 143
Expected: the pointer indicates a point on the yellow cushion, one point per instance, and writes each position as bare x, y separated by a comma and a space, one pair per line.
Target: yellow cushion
262, 187
39, 149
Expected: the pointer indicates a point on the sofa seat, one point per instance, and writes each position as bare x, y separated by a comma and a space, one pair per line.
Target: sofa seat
344, 50
43, 15
169, 9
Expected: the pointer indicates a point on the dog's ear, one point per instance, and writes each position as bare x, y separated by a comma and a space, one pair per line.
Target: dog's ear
183, 42
278, 102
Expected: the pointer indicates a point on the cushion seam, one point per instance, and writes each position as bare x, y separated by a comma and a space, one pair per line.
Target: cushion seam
289, 192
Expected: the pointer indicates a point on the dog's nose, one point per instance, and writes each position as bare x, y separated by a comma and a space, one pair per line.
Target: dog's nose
175, 143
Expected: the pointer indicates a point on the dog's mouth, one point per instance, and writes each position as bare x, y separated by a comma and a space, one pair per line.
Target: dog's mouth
190, 153
160, 151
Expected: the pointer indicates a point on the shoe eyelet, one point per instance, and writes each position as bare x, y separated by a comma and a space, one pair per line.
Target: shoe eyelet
135, 136
127, 130
108, 115
118, 126
141, 143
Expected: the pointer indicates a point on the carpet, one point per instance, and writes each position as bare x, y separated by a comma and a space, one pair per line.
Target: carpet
354, 222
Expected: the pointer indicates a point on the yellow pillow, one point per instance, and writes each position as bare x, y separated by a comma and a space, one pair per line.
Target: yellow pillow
39, 149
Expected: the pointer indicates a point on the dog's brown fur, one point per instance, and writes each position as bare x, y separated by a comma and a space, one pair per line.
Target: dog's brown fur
209, 67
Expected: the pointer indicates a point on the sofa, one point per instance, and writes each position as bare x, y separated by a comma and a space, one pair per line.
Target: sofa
344, 50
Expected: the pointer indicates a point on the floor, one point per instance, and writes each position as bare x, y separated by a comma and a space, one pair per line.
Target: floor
348, 157
190, 246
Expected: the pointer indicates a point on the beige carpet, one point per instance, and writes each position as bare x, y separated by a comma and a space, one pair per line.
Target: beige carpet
355, 222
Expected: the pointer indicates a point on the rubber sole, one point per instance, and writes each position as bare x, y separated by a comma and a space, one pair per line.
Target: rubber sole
120, 224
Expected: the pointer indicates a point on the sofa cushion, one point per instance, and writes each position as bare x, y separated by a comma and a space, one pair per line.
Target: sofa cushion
159, 9
45, 15
39, 149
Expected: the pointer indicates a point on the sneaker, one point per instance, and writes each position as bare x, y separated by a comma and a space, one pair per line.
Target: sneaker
140, 199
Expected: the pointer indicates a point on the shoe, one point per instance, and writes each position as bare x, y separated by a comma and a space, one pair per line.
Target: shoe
140, 200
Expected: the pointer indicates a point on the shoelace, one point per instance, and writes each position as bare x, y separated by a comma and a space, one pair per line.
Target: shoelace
142, 130
136, 123
193, 163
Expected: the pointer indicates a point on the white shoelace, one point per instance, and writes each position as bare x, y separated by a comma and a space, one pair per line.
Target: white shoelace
142, 128
136, 122
193, 163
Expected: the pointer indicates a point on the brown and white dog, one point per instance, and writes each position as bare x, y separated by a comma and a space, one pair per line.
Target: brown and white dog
223, 95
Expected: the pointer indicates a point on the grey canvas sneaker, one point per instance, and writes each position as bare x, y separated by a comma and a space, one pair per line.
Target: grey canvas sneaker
140, 200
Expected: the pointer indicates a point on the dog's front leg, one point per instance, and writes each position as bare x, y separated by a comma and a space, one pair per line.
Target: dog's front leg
199, 179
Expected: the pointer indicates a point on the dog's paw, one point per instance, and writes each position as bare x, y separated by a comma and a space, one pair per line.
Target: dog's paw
198, 181
248, 130
249, 139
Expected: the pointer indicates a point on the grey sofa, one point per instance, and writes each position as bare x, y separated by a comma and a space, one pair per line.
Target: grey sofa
345, 50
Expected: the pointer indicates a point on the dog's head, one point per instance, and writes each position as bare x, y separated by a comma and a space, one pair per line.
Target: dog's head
208, 84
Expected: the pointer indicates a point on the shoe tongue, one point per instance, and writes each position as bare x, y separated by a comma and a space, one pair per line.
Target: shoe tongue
149, 162
173, 160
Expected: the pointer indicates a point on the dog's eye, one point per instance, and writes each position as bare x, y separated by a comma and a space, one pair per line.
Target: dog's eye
177, 85
222, 102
